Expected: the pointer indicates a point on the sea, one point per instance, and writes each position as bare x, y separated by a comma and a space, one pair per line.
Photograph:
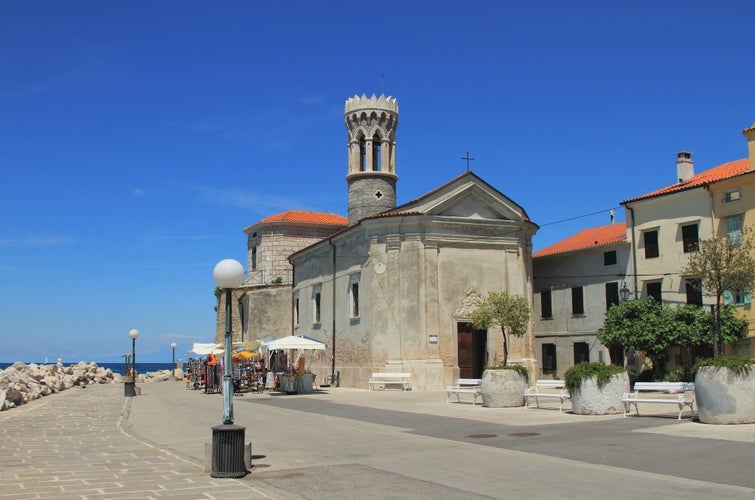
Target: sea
114, 367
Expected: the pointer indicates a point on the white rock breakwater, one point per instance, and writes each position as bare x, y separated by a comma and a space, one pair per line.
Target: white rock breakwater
21, 383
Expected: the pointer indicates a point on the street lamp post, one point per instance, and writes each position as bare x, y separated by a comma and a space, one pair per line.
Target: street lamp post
228, 439
129, 383
133, 333
173, 365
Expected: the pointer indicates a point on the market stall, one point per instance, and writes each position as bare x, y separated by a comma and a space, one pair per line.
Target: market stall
287, 362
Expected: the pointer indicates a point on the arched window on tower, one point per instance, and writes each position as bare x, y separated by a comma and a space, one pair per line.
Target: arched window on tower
362, 155
376, 155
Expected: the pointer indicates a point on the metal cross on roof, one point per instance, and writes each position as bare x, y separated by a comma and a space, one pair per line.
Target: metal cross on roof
468, 158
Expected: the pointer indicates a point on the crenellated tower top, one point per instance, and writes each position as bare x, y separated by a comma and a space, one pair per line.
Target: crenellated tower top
371, 124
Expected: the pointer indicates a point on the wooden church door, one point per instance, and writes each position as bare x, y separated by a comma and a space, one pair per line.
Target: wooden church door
471, 346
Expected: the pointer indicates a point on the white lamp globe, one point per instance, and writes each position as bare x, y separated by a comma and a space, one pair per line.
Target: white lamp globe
133, 333
228, 273
173, 345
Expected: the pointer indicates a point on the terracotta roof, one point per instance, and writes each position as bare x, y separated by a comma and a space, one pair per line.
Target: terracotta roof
715, 174
587, 238
308, 217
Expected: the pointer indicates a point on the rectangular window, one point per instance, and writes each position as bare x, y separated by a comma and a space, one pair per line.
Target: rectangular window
316, 295
581, 352
737, 297
577, 304
254, 258
654, 290
296, 309
732, 195
612, 294
650, 239
609, 258
694, 291
354, 295
546, 306
690, 240
549, 357
734, 229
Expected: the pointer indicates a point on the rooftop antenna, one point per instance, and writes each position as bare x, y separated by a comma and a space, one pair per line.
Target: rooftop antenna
468, 158
382, 83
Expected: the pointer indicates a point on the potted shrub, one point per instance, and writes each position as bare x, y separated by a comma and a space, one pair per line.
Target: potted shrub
724, 388
596, 389
503, 386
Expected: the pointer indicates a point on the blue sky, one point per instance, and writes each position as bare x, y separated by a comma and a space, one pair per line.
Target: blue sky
139, 138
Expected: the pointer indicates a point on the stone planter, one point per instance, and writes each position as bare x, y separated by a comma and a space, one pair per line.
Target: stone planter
502, 388
723, 397
590, 399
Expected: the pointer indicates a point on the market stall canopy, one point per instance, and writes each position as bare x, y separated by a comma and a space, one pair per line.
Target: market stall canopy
204, 349
294, 342
245, 355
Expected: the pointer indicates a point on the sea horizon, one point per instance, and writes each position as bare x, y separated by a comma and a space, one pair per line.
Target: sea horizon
118, 368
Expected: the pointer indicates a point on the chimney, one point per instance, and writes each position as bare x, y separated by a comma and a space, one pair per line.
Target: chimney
750, 134
685, 169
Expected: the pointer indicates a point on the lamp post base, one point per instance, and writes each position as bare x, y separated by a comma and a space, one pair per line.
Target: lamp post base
228, 451
129, 388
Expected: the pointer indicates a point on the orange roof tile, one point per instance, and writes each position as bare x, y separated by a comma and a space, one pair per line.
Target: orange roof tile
587, 238
715, 174
308, 217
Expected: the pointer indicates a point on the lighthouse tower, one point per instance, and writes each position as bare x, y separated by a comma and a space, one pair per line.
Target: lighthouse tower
371, 123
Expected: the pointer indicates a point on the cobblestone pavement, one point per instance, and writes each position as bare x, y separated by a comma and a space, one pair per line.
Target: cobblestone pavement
73, 445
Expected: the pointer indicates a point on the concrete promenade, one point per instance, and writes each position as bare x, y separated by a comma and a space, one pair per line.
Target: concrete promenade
346, 443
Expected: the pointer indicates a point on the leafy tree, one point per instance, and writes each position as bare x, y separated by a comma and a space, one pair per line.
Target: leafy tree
722, 264
648, 326
509, 312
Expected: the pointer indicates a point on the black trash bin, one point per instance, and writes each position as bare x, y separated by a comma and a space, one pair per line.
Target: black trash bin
228, 451
129, 388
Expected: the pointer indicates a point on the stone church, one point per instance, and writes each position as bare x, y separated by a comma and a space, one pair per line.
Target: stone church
391, 288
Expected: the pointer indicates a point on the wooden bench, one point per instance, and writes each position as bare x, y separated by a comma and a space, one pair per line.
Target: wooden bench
553, 389
464, 386
679, 393
386, 379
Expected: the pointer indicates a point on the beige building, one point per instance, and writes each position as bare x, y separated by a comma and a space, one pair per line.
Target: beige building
665, 226
394, 291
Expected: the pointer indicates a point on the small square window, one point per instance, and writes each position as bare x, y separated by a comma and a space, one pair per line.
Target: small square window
609, 258
732, 195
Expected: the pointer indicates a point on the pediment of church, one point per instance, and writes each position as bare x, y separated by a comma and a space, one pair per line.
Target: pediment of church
468, 197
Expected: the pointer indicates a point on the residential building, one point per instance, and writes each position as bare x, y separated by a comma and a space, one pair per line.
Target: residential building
576, 280
665, 226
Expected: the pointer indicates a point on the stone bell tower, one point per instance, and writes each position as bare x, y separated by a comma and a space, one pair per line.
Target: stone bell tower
371, 123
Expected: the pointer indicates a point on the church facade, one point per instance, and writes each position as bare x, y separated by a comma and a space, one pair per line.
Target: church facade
394, 290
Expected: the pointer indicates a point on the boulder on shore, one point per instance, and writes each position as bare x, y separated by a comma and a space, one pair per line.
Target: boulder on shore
21, 383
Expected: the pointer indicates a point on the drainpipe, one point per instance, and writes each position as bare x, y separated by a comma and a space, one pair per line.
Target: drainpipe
633, 252
333, 326
293, 296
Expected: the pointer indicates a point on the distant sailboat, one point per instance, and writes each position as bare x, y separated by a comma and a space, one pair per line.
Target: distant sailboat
46, 360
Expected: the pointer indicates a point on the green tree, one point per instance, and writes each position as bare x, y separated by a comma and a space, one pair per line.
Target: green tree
509, 312
723, 264
648, 326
